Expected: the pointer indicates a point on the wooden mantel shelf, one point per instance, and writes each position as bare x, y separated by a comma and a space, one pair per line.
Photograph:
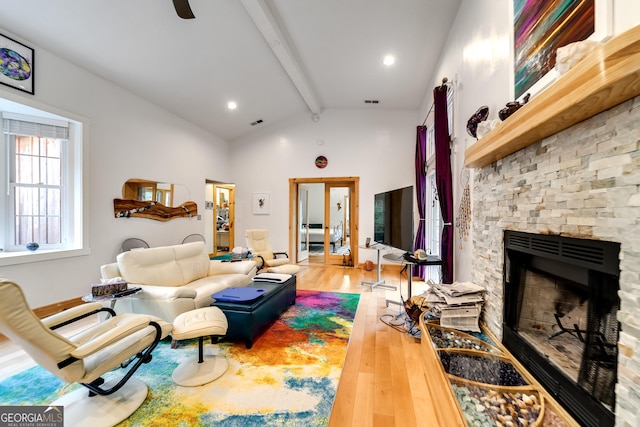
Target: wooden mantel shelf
605, 78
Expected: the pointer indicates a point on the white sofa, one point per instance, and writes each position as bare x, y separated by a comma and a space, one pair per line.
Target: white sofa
174, 279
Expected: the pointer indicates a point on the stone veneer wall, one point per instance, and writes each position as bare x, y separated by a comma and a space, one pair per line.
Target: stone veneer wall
582, 182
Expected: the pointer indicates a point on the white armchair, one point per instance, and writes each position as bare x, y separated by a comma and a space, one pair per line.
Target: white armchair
273, 261
85, 357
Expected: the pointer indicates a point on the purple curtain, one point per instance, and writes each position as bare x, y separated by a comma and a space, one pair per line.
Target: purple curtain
443, 179
421, 183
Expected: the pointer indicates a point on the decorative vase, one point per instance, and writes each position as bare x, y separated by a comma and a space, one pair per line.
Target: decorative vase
479, 116
512, 107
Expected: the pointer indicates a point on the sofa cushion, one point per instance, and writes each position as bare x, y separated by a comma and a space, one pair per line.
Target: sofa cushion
165, 265
153, 266
193, 260
209, 285
233, 280
205, 287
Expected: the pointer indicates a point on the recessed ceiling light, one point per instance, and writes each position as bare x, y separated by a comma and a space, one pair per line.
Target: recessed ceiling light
231, 105
388, 60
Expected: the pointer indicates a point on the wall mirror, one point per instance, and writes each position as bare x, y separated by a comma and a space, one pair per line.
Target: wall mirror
161, 201
148, 191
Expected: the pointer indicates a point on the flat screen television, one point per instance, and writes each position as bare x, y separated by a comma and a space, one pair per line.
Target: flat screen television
393, 218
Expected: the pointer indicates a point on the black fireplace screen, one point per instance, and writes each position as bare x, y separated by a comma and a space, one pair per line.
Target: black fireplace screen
599, 361
590, 271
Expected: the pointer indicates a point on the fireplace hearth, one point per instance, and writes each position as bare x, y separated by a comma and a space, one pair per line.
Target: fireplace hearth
560, 305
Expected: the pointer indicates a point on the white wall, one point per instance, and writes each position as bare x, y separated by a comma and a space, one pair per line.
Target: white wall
376, 145
208, 216
129, 138
477, 57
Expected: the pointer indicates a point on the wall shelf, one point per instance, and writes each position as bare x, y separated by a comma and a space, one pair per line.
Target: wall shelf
609, 76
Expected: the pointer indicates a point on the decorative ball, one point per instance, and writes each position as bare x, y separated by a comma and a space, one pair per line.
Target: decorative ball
321, 162
368, 265
33, 246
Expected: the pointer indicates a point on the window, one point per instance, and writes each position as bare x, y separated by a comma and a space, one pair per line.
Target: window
433, 224
42, 186
36, 185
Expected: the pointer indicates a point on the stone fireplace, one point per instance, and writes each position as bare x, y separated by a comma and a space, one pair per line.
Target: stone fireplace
561, 303
581, 183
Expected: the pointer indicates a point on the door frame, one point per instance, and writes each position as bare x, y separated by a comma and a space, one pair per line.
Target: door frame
303, 255
348, 181
231, 217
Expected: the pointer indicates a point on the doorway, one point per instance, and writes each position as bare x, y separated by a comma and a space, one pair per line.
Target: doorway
324, 220
222, 235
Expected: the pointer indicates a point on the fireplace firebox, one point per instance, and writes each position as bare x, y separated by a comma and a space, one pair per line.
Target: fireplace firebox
560, 305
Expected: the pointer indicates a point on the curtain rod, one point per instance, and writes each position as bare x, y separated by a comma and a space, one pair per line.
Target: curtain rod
445, 84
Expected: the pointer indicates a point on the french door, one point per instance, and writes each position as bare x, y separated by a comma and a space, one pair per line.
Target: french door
303, 221
323, 219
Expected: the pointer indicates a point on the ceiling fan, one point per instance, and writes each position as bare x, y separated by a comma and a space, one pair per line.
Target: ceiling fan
183, 9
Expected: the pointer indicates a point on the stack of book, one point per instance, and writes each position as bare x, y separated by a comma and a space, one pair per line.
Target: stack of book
108, 288
458, 305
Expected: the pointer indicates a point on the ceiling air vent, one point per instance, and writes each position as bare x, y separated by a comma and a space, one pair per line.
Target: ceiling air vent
371, 101
257, 122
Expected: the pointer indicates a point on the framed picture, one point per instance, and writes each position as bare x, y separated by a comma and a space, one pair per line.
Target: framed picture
261, 203
542, 27
16, 64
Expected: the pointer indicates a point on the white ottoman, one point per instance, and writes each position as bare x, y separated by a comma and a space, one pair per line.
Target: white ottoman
284, 269
199, 323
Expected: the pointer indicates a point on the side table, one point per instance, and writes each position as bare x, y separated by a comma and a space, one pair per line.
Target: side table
111, 298
431, 260
410, 261
379, 282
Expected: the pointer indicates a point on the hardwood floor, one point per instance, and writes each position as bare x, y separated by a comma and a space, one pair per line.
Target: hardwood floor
382, 383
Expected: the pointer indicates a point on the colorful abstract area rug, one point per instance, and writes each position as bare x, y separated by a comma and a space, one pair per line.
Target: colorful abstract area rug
288, 378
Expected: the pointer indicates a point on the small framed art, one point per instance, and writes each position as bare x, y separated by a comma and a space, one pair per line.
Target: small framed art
16, 64
261, 203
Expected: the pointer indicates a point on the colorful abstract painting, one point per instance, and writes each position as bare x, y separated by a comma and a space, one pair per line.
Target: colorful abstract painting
288, 378
16, 64
540, 27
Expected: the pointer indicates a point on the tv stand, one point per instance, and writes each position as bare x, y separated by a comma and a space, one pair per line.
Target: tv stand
379, 282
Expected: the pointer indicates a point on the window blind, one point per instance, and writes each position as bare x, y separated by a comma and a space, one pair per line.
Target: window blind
43, 130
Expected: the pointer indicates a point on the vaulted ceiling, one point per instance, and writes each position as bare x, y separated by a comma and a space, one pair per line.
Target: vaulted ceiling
274, 58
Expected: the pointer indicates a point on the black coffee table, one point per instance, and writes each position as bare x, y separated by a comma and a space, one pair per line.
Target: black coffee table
248, 320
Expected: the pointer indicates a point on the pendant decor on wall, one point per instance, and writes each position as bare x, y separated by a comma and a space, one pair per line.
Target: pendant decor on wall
463, 219
125, 208
321, 162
